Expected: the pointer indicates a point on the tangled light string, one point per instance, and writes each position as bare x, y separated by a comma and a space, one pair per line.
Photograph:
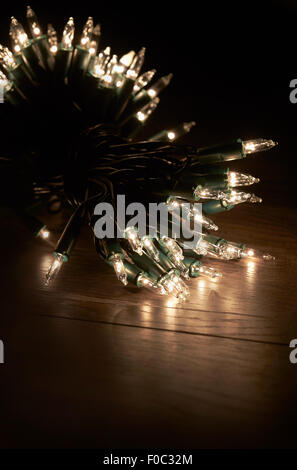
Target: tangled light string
71, 116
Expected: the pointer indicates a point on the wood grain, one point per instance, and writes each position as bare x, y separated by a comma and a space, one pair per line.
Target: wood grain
90, 363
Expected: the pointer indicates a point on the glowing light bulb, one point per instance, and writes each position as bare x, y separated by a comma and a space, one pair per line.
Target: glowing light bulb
181, 130
177, 260
150, 248
194, 268
170, 283
87, 33
136, 64
252, 254
208, 193
111, 71
4, 82
44, 233
119, 268
147, 110
134, 240
163, 82
173, 134
18, 36
209, 272
228, 197
94, 42
100, 63
33, 23
172, 246
6, 57
241, 179
190, 211
54, 268
183, 291
52, 39
114, 66
143, 80
68, 34
127, 59
229, 251
205, 221
237, 197
257, 145
204, 247
143, 280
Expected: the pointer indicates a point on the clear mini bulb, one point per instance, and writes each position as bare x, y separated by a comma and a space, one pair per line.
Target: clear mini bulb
136, 64
240, 179
179, 131
18, 36
150, 248
68, 34
33, 23
251, 253
147, 110
172, 247
209, 272
143, 280
237, 197
6, 57
100, 63
229, 197
173, 203
204, 247
54, 268
208, 193
163, 82
168, 285
115, 66
87, 33
257, 145
134, 240
44, 233
111, 71
171, 284
143, 80
4, 82
177, 260
52, 39
119, 268
202, 219
183, 291
94, 42
229, 251
127, 59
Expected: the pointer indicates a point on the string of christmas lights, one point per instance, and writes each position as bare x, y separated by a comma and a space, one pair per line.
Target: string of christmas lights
72, 116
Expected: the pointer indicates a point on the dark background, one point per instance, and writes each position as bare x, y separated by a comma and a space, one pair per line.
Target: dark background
232, 65
232, 62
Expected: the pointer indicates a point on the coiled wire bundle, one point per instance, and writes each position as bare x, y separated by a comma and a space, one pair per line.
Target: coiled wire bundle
70, 138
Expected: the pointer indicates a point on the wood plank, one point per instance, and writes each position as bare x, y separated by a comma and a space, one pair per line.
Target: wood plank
70, 383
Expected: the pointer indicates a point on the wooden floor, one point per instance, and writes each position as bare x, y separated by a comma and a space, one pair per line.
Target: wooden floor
90, 363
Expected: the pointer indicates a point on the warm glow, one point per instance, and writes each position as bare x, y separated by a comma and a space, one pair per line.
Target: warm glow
152, 93
45, 234
140, 116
